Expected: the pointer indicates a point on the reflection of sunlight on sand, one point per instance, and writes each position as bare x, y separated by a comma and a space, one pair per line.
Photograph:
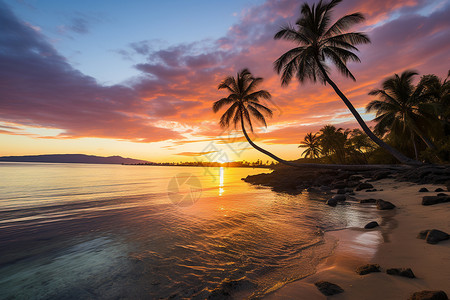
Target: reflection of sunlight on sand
363, 244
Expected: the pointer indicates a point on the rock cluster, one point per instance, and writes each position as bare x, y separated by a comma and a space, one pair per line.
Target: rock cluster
433, 236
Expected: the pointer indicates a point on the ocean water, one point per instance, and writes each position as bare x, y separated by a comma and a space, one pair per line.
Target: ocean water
78, 231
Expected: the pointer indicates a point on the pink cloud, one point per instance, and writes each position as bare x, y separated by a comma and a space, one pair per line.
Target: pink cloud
179, 83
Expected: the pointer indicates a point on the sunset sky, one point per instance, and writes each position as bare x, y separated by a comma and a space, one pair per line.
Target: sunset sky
138, 78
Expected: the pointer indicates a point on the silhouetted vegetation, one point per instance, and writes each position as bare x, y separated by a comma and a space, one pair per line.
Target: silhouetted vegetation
412, 118
318, 42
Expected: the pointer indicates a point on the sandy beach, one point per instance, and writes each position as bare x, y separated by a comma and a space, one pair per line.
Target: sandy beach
394, 244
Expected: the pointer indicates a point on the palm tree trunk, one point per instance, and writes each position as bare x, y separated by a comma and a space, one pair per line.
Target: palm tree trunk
318, 166
402, 158
425, 140
414, 144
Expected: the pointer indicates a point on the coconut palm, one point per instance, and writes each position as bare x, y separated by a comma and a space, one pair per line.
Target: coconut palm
333, 141
317, 42
437, 91
244, 104
401, 109
312, 144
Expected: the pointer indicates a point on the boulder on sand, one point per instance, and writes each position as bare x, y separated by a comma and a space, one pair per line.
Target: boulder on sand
401, 272
432, 200
363, 186
433, 236
369, 268
328, 288
384, 205
371, 225
429, 295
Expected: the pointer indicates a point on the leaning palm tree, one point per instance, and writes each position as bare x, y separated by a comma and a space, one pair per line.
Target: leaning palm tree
316, 42
312, 144
401, 109
244, 103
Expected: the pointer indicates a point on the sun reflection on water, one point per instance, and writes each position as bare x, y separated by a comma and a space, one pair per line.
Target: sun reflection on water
221, 175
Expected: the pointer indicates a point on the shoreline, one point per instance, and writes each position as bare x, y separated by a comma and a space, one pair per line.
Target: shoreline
394, 244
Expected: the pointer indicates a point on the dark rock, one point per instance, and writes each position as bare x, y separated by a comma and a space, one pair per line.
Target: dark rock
381, 175
435, 236
423, 234
371, 225
371, 190
369, 268
339, 197
429, 295
340, 191
384, 205
401, 272
351, 184
442, 194
348, 190
331, 202
340, 185
325, 188
313, 190
363, 186
356, 177
423, 190
431, 200
439, 190
371, 200
328, 288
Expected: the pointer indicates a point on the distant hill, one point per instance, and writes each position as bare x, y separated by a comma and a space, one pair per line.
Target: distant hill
73, 158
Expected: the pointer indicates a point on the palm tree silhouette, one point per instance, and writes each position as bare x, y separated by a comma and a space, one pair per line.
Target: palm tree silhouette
401, 109
317, 41
312, 144
244, 104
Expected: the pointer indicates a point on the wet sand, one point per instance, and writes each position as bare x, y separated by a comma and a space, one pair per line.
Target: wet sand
394, 244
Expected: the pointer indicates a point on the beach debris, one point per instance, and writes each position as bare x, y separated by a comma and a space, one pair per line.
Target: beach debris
433, 236
423, 190
429, 295
370, 200
371, 225
439, 190
384, 205
404, 272
369, 268
328, 288
363, 186
431, 200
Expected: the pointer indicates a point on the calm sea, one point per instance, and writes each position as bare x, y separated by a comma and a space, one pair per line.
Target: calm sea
78, 231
